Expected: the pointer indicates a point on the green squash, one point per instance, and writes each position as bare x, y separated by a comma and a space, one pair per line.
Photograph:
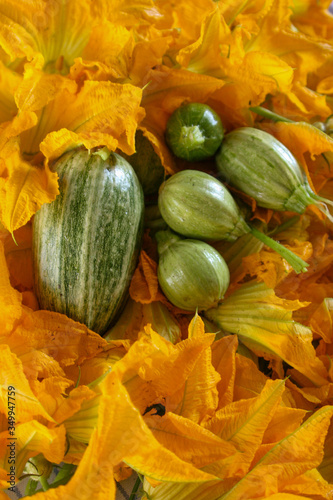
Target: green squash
86, 242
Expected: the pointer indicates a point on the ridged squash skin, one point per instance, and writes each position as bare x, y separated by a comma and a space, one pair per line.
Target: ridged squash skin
86, 242
256, 163
196, 205
191, 273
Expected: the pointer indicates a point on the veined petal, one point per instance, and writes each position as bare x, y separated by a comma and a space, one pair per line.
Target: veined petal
20, 124
37, 364
290, 341
101, 114
95, 367
204, 55
51, 392
244, 422
153, 366
58, 31
188, 440
285, 496
186, 15
287, 460
301, 101
93, 478
80, 414
24, 189
249, 380
284, 421
301, 137
270, 267
234, 8
124, 435
75, 451
184, 491
27, 404
38, 88
199, 396
129, 323
147, 54
65, 340
127, 12
310, 483
31, 438
326, 466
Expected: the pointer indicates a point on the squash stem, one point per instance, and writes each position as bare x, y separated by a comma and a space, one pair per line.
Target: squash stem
299, 265
285, 225
266, 113
45, 485
135, 489
165, 239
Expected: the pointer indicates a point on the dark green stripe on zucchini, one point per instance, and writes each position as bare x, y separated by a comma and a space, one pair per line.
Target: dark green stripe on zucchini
86, 242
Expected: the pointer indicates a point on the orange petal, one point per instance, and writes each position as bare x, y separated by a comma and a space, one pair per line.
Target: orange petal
10, 299
144, 285
24, 189
100, 114
31, 438
224, 361
61, 338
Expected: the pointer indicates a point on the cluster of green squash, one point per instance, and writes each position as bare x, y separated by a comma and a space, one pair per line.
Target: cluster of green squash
86, 243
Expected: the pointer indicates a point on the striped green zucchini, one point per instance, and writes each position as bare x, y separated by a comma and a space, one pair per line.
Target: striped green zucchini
86, 242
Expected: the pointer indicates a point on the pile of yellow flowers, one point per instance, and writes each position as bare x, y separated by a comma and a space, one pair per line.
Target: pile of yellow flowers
239, 414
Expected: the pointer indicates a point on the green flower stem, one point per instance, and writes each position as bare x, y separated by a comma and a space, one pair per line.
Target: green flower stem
45, 485
31, 487
299, 265
285, 225
266, 113
135, 489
